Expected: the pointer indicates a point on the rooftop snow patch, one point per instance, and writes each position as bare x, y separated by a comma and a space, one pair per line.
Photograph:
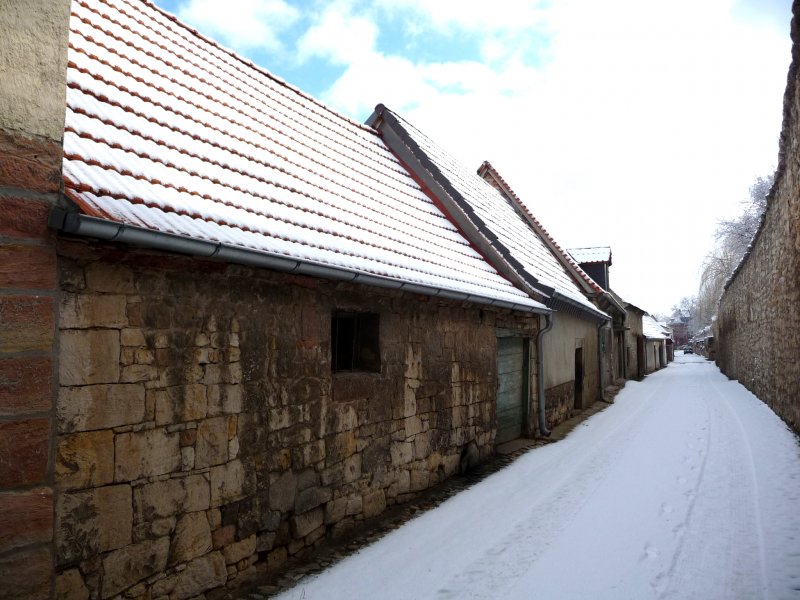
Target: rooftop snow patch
170, 132
598, 254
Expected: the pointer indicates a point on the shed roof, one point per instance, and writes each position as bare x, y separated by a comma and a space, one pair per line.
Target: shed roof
597, 254
651, 329
491, 220
169, 132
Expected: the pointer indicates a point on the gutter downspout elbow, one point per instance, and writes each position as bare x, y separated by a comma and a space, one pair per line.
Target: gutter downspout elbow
543, 430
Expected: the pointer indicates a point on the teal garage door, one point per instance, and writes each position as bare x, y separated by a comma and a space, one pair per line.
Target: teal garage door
511, 374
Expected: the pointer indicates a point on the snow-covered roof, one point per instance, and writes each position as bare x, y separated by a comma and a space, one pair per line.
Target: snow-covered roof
168, 131
651, 329
598, 254
491, 174
493, 213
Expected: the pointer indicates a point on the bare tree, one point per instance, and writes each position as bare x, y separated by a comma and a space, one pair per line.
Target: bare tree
733, 238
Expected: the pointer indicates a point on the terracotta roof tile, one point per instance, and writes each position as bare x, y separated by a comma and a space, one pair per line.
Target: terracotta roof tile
502, 223
169, 131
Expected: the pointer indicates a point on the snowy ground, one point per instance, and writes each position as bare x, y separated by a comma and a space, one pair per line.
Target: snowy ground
686, 487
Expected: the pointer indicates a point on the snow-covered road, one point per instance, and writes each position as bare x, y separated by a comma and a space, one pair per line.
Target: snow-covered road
686, 487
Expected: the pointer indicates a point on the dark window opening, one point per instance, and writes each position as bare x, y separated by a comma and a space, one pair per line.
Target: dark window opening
354, 342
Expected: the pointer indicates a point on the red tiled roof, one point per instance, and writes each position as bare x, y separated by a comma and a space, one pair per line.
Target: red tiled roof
168, 131
494, 218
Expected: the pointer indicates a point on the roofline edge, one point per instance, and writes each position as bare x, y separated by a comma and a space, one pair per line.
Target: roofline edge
112, 231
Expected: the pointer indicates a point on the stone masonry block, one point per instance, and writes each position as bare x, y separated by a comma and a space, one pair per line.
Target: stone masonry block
23, 218
24, 451
70, 586
211, 447
28, 324
81, 311
131, 564
311, 498
27, 267
283, 491
25, 385
224, 399
192, 538
100, 406
92, 521
27, 575
200, 575
30, 163
85, 460
167, 498
146, 454
241, 550
26, 518
227, 483
110, 278
89, 356
374, 503
181, 403
132, 337
304, 524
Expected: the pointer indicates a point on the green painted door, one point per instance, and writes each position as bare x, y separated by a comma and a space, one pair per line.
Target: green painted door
511, 374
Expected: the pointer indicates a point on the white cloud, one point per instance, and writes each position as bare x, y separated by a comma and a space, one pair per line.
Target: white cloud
645, 126
339, 36
471, 15
241, 24
624, 123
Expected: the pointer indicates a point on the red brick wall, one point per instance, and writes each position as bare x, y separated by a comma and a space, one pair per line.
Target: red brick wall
30, 172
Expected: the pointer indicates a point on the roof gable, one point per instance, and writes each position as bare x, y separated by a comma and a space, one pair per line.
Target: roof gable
169, 132
490, 219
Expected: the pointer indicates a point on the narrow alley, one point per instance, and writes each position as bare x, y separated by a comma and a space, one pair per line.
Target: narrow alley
686, 487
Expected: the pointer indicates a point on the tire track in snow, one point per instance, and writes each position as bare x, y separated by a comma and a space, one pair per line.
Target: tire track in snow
663, 582
713, 558
549, 514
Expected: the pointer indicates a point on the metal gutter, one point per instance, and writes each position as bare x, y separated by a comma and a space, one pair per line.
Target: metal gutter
86, 226
543, 429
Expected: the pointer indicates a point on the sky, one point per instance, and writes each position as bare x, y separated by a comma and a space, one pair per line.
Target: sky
633, 124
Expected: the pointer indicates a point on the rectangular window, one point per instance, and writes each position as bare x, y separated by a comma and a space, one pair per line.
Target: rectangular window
354, 342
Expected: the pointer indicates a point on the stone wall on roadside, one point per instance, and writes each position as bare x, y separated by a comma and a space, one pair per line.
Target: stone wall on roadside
200, 428
757, 332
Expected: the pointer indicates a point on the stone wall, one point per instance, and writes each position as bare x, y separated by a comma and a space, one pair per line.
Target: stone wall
33, 39
757, 332
200, 428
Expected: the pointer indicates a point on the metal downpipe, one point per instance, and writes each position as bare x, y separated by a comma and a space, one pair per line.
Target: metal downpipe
600, 353
543, 430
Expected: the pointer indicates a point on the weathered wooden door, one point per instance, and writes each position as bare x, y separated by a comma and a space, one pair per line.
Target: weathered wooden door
512, 372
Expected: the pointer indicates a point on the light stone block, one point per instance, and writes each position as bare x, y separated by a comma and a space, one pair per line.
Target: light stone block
146, 454
100, 406
89, 356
